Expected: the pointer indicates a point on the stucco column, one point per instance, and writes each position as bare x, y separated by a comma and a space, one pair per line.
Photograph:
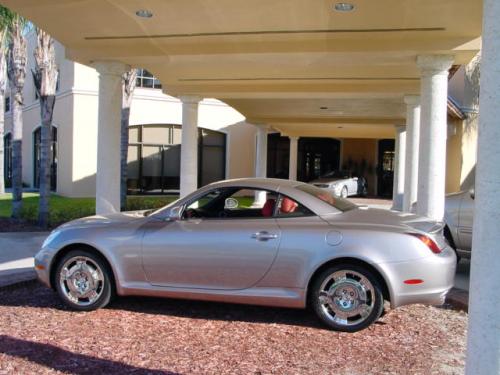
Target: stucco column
261, 160
189, 145
433, 129
108, 136
483, 344
399, 168
411, 160
292, 166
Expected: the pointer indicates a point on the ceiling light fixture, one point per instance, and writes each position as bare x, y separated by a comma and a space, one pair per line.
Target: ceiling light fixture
344, 7
144, 13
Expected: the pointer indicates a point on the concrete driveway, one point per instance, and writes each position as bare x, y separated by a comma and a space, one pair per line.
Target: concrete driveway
16, 255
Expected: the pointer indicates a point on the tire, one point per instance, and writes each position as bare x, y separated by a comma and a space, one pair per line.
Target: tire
337, 300
87, 284
344, 193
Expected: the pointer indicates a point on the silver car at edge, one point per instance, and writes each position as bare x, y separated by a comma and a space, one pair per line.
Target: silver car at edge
458, 217
304, 247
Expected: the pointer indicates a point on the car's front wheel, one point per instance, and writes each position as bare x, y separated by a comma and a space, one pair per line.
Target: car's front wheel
347, 297
344, 193
83, 280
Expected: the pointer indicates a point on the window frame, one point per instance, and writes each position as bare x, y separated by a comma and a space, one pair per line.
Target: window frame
275, 214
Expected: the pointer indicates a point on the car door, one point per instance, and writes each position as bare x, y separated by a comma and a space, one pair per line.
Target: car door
210, 253
465, 221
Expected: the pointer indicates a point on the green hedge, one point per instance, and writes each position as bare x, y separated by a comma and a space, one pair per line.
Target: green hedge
63, 209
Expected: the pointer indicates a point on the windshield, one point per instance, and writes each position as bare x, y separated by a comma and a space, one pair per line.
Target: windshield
336, 174
340, 204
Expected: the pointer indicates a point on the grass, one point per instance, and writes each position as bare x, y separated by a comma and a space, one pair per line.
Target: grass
63, 209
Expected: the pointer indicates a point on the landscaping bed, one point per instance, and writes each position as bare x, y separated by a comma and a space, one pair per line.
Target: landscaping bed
63, 209
164, 336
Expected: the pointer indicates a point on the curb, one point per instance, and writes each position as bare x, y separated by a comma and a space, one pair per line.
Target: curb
17, 279
458, 299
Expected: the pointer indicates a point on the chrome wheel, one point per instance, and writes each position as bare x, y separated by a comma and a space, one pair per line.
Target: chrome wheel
346, 298
81, 280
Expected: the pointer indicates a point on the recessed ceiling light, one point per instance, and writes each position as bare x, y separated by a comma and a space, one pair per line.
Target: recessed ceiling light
344, 7
144, 13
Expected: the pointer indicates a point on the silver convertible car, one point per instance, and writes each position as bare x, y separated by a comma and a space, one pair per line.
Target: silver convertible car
301, 246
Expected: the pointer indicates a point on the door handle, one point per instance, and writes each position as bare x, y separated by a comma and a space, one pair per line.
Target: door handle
264, 236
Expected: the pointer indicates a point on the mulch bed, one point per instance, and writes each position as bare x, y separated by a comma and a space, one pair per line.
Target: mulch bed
18, 225
163, 336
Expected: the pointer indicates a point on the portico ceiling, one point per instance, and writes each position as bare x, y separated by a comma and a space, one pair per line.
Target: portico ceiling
280, 62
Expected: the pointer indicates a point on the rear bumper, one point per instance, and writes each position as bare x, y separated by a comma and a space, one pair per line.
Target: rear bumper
437, 273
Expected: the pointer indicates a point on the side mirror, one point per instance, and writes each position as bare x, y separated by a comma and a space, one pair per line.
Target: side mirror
472, 193
175, 213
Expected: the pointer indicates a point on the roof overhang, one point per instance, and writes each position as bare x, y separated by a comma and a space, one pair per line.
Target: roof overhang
277, 61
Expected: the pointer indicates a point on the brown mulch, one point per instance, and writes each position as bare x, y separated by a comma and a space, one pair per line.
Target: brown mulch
18, 225
38, 335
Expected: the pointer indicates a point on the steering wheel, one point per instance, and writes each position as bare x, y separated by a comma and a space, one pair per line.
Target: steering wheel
192, 213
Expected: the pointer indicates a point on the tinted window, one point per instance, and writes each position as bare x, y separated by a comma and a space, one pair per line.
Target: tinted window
234, 202
333, 200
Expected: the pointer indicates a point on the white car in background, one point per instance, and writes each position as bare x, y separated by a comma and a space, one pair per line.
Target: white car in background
342, 183
459, 213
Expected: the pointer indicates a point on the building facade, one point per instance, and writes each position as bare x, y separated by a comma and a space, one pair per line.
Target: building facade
226, 141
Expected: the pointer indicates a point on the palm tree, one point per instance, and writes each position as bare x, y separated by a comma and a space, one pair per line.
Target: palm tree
45, 78
16, 70
129, 83
5, 21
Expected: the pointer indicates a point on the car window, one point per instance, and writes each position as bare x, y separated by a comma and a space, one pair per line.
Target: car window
325, 195
233, 203
288, 207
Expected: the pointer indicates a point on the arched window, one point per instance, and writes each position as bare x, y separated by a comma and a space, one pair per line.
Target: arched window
37, 156
7, 144
154, 157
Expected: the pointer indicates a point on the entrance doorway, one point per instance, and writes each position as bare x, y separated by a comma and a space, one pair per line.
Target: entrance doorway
316, 156
385, 170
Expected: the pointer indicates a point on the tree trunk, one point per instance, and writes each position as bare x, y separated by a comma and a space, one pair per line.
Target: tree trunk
17, 155
124, 156
2, 143
46, 111
3, 84
45, 79
17, 74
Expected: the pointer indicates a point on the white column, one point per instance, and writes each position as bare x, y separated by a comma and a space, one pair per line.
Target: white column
433, 128
261, 161
411, 159
292, 167
189, 145
399, 168
108, 136
483, 344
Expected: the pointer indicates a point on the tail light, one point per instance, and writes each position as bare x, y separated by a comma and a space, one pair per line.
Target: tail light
429, 242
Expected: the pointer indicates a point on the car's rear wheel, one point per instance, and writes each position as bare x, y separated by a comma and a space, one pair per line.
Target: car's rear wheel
347, 297
83, 280
344, 192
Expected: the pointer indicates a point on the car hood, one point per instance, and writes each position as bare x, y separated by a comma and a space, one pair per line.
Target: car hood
108, 219
383, 219
326, 180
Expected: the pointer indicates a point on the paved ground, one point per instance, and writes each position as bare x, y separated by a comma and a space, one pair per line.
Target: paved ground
16, 255
161, 336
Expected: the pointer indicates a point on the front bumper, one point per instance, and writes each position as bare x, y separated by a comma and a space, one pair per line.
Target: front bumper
43, 261
437, 272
